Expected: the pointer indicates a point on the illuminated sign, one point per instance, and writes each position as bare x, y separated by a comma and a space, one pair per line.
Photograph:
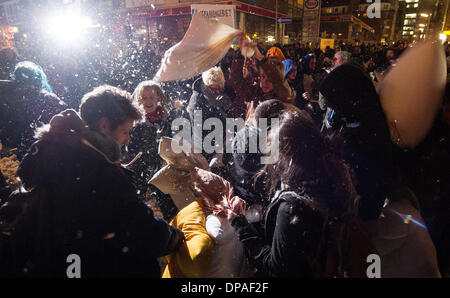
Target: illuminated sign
311, 4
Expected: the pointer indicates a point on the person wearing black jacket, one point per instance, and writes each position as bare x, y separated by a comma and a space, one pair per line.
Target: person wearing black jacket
314, 187
144, 141
26, 102
82, 200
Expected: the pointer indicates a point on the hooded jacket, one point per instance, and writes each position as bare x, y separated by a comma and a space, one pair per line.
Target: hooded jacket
85, 204
296, 85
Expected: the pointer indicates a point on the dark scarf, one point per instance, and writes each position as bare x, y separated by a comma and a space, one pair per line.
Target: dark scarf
157, 115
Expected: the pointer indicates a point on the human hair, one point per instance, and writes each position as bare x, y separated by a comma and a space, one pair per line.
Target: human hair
309, 160
8, 55
111, 102
29, 74
155, 86
213, 76
393, 50
345, 56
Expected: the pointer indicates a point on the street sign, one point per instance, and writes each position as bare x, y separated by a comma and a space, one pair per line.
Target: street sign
284, 20
225, 14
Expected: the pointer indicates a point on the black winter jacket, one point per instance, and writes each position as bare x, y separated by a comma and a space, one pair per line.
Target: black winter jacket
85, 204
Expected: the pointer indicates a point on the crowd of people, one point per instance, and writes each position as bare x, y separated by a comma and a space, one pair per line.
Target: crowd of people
99, 180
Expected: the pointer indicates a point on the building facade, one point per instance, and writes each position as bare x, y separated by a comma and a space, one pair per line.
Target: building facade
417, 16
386, 24
340, 21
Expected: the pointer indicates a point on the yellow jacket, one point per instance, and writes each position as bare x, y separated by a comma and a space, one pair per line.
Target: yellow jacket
193, 257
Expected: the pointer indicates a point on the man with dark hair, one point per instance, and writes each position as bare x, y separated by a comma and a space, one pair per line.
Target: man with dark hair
109, 110
83, 203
